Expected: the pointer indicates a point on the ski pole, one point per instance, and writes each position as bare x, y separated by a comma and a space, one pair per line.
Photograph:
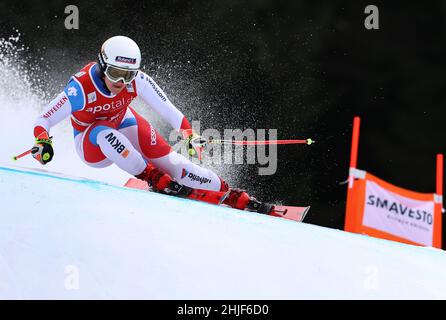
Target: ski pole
263, 142
22, 155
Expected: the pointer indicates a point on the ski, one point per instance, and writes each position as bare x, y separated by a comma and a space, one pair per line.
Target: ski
217, 197
178, 190
290, 213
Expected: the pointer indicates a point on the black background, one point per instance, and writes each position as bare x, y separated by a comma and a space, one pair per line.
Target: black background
302, 67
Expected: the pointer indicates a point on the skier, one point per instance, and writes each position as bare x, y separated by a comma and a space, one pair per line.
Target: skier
108, 130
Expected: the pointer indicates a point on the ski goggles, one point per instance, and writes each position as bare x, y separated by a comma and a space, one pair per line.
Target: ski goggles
115, 74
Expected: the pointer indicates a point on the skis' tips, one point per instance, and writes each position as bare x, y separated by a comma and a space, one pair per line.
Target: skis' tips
304, 214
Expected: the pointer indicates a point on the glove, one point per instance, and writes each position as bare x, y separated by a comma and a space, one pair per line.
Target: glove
195, 144
43, 150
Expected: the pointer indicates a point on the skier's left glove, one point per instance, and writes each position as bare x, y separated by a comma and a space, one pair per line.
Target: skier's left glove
43, 150
195, 143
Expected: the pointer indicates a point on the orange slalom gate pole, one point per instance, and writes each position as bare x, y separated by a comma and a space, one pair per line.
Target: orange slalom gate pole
440, 174
438, 229
354, 150
350, 214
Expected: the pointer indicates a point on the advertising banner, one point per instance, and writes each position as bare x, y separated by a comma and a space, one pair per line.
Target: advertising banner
378, 208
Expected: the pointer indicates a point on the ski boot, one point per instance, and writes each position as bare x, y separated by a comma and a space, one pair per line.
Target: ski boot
158, 181
162, 183
239, 199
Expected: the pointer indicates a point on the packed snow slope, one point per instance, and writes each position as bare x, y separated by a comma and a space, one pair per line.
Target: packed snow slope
68, 238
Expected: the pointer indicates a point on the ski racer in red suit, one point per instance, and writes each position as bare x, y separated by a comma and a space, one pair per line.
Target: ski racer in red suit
108, 130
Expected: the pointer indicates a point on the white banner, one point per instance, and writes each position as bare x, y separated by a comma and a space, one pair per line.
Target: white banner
400, 216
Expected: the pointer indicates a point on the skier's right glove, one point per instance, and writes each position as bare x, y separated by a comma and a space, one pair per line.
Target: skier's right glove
43, 150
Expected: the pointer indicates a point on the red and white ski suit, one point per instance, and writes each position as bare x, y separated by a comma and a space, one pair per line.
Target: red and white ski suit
108, 130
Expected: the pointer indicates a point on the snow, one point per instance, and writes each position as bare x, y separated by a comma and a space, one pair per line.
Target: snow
64, 237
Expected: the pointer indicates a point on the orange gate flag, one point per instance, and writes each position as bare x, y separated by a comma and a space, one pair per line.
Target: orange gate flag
383, 210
